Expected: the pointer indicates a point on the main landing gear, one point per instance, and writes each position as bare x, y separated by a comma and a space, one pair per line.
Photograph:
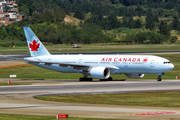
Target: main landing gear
85, 79
109, 79
90, 79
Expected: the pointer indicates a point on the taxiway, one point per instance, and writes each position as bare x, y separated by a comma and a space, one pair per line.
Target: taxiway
19, 99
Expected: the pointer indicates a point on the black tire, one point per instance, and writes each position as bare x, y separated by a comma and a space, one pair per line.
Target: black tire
102, 80
110, 79
159, 79
85, 79
80, 79
89, 79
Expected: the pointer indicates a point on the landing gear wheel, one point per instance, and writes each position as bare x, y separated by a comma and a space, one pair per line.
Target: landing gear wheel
85, 79
109, 79
159, 78
80, 79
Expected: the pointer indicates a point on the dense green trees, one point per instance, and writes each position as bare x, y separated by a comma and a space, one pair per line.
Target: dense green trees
99, 17
164, 28
26, 6
79, 15
121, 7
145, 38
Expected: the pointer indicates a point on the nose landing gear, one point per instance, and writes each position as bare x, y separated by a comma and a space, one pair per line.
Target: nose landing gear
159, 78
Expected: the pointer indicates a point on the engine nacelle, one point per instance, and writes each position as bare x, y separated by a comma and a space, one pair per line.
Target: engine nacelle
99, 72
135, 75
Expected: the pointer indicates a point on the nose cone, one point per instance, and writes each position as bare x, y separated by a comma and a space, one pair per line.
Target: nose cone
171, 66
168, 67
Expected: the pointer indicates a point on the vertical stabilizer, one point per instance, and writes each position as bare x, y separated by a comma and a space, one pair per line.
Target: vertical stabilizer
36, 48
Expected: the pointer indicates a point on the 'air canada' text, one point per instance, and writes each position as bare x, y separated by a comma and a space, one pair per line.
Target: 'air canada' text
123, 60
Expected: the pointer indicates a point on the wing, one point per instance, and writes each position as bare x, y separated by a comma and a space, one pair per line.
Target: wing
75, 66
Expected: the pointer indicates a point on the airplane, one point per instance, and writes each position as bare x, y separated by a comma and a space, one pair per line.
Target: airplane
97, 66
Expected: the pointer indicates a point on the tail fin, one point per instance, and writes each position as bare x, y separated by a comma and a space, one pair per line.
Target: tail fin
36, 48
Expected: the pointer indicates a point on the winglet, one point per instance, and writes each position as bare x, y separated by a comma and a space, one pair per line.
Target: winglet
36, 48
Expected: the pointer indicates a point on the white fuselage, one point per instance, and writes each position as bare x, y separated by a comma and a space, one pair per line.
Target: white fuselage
127, 64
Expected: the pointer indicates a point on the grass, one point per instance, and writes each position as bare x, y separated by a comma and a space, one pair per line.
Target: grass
30, 72
105, 47
33, 117
3, 84
160, 99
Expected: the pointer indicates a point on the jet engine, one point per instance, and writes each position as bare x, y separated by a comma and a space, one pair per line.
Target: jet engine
99, 72
135, 75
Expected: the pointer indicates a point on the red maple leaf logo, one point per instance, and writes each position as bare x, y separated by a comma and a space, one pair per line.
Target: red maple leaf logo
34, 46
145, 60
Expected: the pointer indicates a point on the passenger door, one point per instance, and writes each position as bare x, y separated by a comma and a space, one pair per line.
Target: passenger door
152, 63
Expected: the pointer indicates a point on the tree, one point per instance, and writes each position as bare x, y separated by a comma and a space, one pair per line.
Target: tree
131, 22
156, 19
111, 22
125, 21
164, 29
150, 24
149, 20
139, 10
3, 33
79, 14
6, 8
175, 23
114, 1
173, 39
137, 24
49, 12
24, 10
29, 4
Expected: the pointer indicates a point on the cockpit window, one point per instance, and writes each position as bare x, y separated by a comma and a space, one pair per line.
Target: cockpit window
167, 62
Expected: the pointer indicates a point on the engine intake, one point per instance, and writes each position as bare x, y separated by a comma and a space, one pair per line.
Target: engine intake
100, 72
135, 75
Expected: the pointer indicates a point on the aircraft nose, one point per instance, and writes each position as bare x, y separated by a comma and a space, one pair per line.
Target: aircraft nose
171, 66
168, 67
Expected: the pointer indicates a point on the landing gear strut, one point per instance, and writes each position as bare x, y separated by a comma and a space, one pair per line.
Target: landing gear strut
159, 78
85, 79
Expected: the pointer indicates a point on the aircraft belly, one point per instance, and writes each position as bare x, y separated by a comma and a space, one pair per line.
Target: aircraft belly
138, 70
155, 70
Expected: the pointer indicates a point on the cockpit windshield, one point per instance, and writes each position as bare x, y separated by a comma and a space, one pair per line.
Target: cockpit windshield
167, 62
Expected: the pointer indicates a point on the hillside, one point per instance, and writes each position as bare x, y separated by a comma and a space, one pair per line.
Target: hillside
72, 20
134, 21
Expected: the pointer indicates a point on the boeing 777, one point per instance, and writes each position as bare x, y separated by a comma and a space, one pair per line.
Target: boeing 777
97, 66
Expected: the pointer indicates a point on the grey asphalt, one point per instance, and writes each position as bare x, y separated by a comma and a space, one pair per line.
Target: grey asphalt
19, 99
94, 87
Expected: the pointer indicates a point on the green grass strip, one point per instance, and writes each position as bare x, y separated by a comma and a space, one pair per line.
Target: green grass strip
160, 99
